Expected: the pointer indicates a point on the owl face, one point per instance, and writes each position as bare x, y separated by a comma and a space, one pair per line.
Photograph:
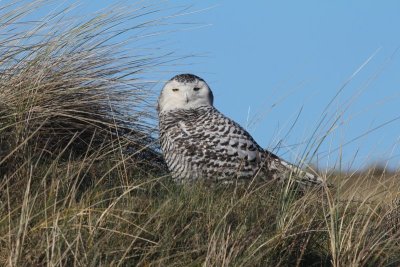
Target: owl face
185, 91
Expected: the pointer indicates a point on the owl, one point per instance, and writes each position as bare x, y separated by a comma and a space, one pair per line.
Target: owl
199, 143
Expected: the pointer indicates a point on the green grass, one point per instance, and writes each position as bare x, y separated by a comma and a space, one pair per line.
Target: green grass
82, 181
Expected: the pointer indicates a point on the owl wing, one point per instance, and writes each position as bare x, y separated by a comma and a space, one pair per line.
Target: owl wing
237, 142
218, 147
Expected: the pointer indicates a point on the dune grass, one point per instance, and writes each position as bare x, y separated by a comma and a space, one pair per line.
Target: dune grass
88, 213
82, 181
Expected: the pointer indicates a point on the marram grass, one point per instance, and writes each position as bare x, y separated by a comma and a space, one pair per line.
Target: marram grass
82, 182
102, 213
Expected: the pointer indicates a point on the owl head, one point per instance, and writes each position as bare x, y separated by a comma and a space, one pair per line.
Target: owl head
185, 91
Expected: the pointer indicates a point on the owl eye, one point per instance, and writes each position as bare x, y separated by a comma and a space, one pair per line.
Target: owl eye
196, 88
175, 89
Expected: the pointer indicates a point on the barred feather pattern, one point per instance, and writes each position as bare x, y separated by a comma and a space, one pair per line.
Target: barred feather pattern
202, 143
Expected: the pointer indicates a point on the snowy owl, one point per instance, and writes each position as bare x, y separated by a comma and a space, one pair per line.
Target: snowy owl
200, 143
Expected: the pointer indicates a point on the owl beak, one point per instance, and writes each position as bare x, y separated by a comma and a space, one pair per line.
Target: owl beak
187, 98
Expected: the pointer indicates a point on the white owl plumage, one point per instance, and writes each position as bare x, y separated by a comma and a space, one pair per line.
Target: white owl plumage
200, 143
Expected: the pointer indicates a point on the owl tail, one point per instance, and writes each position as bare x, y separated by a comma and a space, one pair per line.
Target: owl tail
304, 178
282, 169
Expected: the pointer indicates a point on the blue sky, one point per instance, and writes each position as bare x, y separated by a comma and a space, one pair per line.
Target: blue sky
303, 53
276, 66
269, 60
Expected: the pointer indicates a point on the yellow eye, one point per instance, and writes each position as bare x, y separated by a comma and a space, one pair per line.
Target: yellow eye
175, 89
196, 88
